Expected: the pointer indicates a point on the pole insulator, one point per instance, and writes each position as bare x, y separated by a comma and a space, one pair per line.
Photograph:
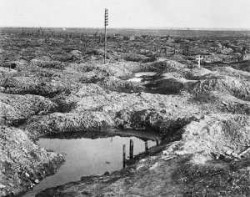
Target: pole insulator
106, 17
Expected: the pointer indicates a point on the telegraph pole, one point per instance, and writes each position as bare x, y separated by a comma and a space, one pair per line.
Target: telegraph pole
105, 33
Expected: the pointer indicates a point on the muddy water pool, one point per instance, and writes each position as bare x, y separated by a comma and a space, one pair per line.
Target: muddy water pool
86, 157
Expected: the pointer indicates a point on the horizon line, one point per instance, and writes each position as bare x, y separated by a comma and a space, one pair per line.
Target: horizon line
138, 28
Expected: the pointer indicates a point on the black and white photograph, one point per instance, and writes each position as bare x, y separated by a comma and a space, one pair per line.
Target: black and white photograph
124, 98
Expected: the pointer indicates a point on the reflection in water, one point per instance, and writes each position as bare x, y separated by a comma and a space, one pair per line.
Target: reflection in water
86, 157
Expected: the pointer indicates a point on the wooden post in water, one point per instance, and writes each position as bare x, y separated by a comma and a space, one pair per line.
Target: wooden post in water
146, 146
105, 33
131, 149
124, 155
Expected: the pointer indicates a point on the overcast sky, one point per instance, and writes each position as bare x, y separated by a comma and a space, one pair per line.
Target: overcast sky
127, 13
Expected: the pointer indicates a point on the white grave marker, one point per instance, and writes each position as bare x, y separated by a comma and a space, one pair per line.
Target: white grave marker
199, 58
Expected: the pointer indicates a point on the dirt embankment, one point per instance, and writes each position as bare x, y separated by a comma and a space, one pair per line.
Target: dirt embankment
23, 163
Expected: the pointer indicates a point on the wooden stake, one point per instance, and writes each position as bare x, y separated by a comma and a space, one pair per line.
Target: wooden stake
146, 146
124, 156
131, 149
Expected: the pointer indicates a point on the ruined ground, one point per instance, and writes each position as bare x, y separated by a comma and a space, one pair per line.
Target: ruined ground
53, 84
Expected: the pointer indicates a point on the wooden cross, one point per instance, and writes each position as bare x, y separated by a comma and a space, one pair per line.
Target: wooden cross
199, 58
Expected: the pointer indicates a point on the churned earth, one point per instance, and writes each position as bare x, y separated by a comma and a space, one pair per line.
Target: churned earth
206, 126
202, 115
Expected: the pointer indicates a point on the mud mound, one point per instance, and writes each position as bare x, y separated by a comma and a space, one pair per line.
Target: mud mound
117, 69
69, 122
120, 69
99, 52
67, 103
118, 85
163, 122
174, 80
32, 85
47, 64
138, 58
223, 102
219, 178
77, 55
198, 73
170, 85
166, 66
229, 71
231, 85
221, 134
22, 162
89, 90
171, 66
93, 76
244, 66
14, 109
